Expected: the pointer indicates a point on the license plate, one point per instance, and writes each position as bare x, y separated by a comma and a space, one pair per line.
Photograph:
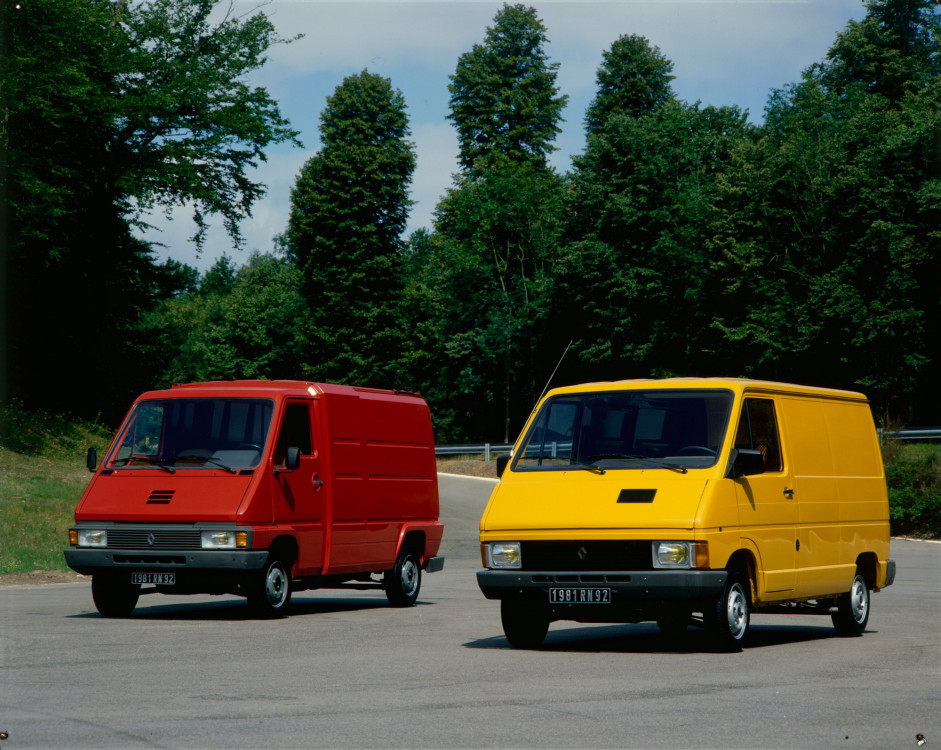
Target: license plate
579, 596
161, 579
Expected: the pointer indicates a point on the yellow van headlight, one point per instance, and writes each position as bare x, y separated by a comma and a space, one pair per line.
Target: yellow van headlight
680, 555
504, 555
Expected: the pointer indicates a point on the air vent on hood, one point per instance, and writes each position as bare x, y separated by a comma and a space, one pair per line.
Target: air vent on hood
160, 497
637, 496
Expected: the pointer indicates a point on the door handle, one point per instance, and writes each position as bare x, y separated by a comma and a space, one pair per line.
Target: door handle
318, 483
789, 493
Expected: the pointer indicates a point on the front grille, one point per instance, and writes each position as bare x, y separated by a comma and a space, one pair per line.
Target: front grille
154, 539
587, 555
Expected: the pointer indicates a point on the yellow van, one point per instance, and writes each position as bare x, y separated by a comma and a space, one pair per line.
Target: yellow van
688, 501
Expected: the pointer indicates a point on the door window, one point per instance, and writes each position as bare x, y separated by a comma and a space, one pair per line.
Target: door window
758, 429
295, 432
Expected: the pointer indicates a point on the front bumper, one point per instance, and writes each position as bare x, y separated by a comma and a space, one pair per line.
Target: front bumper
90, 561
639, 587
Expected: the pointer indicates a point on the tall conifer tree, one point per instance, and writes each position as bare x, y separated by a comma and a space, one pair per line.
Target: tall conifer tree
349, 207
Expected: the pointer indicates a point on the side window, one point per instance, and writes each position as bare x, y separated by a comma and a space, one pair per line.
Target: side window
758, 429
295, 432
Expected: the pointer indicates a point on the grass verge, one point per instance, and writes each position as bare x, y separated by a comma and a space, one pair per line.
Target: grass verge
42, 477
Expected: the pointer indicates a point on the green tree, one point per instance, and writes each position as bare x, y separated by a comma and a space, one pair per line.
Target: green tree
504, 102
828, 223
349, 207
496, 230
494, 243
634, 79
246, 322
634, 278
108, 110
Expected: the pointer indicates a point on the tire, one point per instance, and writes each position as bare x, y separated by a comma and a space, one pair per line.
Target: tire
525, 624
673, 621
270, 592
403, 582
852, 609
728, 619
114, 594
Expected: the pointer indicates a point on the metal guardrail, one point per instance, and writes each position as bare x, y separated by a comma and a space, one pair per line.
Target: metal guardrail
492, 449
919, 433
488, 449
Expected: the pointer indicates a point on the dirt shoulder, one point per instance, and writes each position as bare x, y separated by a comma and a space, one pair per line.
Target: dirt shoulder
468, 467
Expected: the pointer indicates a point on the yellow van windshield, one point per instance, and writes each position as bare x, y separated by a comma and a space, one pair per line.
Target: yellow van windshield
681, 429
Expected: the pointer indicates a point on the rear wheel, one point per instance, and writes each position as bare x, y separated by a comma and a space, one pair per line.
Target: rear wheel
728, 619
525, 624
270, 592
404, 580
114, 594
852, 609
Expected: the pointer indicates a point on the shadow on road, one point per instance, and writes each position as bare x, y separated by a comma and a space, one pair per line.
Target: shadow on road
646, 638
236, 609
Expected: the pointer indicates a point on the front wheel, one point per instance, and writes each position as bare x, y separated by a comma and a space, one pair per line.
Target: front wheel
525, 623
404, 580
852, 609
114, 595
728, 619
270, 592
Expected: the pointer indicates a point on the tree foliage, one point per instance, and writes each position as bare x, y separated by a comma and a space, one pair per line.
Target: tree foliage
684, 241
829, 223
348, 212
246, 322
109, 109
504, 102
634, 80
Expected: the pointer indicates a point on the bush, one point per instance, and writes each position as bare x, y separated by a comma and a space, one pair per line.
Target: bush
913, 476
39, 433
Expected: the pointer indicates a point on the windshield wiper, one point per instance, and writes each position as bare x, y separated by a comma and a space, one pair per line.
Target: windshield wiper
587, 467
149, 459
626, 457
205, 460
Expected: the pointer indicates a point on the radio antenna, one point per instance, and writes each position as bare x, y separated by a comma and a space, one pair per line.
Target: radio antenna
553, 373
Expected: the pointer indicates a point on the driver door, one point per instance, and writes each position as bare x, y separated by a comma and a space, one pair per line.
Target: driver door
298, 496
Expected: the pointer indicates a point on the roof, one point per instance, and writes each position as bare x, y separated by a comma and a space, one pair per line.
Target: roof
736, 385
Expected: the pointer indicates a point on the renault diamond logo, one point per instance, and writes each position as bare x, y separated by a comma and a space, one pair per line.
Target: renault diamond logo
582, 553
151, 539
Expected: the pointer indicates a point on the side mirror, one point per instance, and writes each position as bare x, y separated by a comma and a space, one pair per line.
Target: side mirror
744, 462
502, 461
293, 460
91, 459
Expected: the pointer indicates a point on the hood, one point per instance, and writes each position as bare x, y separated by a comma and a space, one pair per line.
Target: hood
581, 500
149, 496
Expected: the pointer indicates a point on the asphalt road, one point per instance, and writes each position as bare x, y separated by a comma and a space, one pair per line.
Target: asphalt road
346, 670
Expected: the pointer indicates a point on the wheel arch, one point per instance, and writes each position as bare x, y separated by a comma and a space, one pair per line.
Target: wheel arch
745, 562
287, 548
411, 537
867, 563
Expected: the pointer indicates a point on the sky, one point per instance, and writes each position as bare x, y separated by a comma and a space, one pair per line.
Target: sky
724, 52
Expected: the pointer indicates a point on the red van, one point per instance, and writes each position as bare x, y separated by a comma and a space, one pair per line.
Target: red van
261, 488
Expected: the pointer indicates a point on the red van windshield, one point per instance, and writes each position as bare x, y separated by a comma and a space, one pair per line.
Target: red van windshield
186, 433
